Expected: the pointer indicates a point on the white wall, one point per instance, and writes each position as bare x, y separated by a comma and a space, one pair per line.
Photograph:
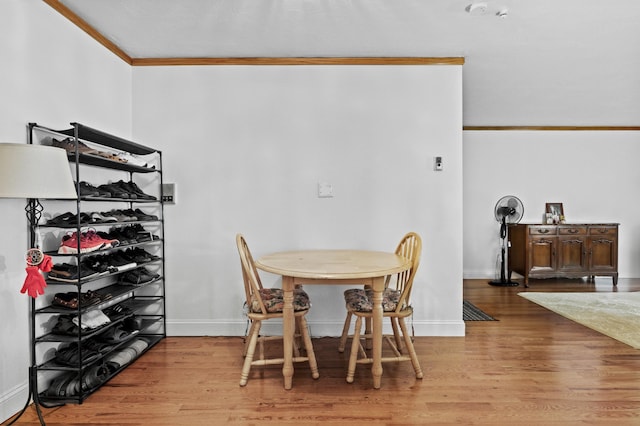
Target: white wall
246, 147
594, 174
50, 73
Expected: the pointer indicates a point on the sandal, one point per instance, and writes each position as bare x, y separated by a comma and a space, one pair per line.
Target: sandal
114, 335
94, 376
97, 346
59, 386
117, 312
70, 355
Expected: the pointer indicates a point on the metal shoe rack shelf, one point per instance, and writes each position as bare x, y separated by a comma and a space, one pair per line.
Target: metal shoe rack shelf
144, 304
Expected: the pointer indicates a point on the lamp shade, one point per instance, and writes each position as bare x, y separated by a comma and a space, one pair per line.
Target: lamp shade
35, 171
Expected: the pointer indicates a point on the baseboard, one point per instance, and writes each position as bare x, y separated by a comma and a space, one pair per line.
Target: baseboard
13, 400
318, 329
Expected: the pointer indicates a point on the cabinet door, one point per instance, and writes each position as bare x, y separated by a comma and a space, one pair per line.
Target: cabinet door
572, 254
603, 249
572, 249
542, 254
603, 254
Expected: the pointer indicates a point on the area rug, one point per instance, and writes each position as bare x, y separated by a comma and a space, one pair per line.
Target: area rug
471, 312
616, 315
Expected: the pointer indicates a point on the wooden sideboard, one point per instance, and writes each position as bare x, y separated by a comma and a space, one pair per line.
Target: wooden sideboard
564, 251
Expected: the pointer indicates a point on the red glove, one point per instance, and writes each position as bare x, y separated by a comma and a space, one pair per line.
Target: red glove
34, 283
46, 264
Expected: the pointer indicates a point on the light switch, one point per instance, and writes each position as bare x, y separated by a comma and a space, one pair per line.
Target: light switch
325, 190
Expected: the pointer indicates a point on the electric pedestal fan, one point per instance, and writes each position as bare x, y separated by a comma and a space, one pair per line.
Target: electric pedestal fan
509, 209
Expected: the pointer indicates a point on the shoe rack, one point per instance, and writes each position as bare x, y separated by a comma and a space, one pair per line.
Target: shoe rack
104, 304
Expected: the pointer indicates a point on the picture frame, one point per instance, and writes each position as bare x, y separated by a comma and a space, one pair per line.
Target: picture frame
556, 209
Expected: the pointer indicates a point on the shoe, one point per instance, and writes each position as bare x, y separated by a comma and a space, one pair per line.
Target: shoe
104, 217
66, 272
101, 193
144, 216
131, 214
107, 242
115, 233
132, 159
129, 232
97, 264
86, 190
119, 263
69, 144
70, 244
139, 255
133, 189
111, 156
115, 191
143, 234
65, 219
123, 215
138, 276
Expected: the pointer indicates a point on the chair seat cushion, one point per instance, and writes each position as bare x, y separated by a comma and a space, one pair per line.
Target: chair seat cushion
361, 300
273, 299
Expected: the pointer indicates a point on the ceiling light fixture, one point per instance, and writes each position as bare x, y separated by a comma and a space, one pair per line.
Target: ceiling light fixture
479, 8
482, 8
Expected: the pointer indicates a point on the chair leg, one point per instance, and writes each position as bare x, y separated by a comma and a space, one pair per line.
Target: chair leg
345, 333
396, 333
250, 349
368, 342
248, 338
306, 338
412, 352
355, 349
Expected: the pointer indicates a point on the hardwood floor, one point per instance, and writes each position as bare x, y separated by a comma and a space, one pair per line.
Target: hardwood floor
531, 367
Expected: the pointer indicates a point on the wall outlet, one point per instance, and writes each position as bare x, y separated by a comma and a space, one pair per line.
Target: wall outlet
169, 193
438, 167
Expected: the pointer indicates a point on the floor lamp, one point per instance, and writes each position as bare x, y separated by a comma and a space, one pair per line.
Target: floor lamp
34, 172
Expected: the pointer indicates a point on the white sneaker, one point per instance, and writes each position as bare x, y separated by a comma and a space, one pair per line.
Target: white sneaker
132, 159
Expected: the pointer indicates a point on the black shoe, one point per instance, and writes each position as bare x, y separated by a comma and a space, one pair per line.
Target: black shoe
96, 263
133, 189
87, 190
115, 191
70, 273
144, 216
138, 276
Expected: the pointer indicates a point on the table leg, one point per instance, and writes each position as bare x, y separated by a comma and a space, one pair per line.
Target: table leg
376, 368
288, 330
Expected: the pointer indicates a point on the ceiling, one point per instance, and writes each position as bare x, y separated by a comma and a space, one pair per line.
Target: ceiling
549, 50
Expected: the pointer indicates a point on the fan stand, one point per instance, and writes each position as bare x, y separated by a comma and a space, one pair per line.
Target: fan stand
504, 281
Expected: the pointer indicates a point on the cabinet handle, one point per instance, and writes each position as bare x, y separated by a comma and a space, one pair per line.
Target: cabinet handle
543, 231
573, 231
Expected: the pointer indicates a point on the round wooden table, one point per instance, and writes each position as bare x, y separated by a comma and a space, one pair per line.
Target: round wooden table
333, 267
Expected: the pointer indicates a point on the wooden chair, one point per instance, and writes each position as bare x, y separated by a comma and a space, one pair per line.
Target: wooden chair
396, 307
265, 304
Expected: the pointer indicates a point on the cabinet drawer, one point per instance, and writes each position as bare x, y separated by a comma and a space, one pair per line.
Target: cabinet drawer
603, 230
543, 230
572, 230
